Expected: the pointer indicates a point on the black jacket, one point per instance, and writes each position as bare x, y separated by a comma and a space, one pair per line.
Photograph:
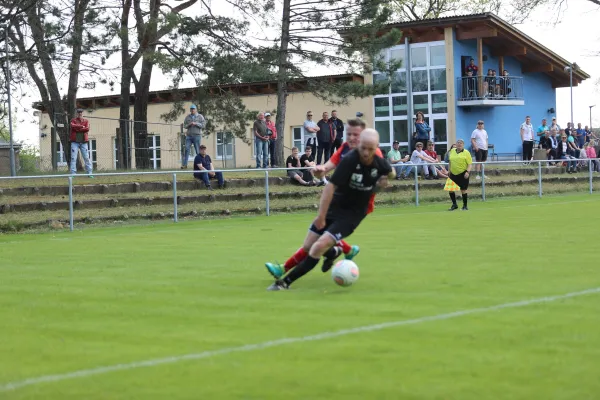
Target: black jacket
559, 150
338, 125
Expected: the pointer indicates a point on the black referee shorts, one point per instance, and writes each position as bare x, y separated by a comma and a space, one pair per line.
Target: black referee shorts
460, 180
481, 155
339, 228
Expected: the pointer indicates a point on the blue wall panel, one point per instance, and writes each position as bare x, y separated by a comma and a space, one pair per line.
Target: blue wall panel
502, 122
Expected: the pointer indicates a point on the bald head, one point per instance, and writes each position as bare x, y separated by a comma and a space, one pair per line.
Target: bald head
369, 141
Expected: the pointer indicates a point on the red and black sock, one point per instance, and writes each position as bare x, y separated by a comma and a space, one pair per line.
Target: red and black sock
295, 259
346, 248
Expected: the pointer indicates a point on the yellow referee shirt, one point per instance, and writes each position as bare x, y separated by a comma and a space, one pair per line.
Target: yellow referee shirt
459, 161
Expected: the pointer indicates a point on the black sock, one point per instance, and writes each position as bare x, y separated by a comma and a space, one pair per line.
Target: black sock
453, 198
465, 199
333, 252
301, 269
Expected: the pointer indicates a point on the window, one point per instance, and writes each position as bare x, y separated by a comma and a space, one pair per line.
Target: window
298, 138
224, 145
92, 153
154, 148
429, 87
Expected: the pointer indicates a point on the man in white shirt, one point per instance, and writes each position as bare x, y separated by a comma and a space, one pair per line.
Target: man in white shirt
479, 142
527, 140
310, 131
421, 159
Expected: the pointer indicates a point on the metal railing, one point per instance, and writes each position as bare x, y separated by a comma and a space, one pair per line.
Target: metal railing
489, 88
538, 164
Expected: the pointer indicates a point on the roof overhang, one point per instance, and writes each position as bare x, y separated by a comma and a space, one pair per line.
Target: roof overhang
191, 94
502, 38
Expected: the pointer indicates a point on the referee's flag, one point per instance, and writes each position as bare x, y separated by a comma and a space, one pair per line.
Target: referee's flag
450, 186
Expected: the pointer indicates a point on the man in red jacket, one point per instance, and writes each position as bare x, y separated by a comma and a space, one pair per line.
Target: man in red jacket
79, 141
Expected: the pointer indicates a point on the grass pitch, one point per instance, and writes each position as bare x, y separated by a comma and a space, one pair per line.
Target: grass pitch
72, 302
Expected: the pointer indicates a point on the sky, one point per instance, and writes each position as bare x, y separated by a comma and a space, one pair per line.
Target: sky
573, 37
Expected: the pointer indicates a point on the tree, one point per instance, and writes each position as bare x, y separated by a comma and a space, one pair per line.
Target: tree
53, 36
342, 34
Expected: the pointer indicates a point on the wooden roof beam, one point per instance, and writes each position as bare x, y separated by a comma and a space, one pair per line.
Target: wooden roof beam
537, 68
477, 33
509, 52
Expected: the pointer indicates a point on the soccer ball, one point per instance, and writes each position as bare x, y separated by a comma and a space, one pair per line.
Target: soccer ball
344, 272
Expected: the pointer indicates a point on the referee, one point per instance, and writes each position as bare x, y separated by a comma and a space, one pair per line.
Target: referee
460, 163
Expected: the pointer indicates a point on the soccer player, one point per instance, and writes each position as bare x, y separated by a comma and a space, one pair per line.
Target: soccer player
355, 127
344, 204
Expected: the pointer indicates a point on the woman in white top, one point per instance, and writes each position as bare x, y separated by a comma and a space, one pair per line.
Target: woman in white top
527, 139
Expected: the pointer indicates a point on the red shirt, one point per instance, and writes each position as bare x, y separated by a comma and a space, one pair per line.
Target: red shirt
431, 154
271, 126
337, 157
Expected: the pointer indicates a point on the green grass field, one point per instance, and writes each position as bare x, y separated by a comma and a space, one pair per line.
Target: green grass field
105, 297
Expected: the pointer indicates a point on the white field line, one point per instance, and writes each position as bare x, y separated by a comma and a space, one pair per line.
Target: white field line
274, 223
9, 386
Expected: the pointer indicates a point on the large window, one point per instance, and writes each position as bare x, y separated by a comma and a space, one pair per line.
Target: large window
298, 138
154, 148
428, 79
224, 145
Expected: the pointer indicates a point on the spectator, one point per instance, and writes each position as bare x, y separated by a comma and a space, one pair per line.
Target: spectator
583, 157
470, 86
421, 159
472, 68
194, 122
562, 153
430, 151
447, 155
554, 127
308, 160
310, 131
79, 142
505, 84
552, 145
295, 174
489, 83
580, 134
591, 154
588, 134
261, 141
527, 140
338, 127
574, 150
272, 134
203, 163
400, 164
543, 132
479, 142
325, 138
422, 128
569, 129
497, 88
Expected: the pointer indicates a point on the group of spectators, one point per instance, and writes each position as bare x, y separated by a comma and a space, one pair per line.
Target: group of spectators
572, 146
493, 86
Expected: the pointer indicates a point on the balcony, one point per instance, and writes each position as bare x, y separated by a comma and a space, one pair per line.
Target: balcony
485, 91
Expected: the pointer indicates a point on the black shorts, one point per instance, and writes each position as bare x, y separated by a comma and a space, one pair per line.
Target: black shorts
481, 155
339, 228
460, 180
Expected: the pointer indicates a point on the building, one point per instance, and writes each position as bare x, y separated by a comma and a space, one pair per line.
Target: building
5, 157
432, 79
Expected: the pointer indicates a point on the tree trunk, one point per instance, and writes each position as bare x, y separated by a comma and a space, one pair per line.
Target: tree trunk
140, 114
126, 73
282, 78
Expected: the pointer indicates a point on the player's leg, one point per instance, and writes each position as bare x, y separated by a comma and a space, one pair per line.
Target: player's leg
349, 251
278, 270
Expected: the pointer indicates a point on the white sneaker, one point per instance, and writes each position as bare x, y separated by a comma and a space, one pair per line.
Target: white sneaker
478, 177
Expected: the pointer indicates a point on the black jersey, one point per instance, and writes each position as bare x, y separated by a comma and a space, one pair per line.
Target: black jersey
355, 182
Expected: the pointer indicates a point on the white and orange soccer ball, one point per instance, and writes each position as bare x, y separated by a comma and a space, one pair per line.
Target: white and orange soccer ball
345, 272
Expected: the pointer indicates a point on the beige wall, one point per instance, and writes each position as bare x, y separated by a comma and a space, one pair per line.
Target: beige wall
104, 131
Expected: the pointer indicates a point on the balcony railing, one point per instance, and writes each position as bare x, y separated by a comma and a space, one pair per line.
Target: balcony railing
490, 90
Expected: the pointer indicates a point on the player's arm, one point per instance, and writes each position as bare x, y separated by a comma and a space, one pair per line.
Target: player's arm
321, 170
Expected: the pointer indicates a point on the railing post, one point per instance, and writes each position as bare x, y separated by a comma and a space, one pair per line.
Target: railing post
483, 181
540, 177
417, 185
175, 218
267, 205
591, 177
71, 203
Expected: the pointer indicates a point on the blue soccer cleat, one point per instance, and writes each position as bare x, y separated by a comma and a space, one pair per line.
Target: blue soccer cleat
275, 269
353, 253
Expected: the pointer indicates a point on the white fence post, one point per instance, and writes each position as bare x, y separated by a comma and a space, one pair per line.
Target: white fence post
540, 177
267, 205
175, 212
417, 185
71, 203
